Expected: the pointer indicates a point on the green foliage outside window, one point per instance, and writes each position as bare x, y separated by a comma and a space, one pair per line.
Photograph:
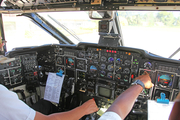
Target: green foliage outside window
161, 18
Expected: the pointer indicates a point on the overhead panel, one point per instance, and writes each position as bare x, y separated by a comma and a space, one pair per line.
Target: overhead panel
28, 6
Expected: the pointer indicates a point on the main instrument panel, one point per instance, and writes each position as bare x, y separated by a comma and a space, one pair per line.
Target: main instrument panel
98, 71
104, 72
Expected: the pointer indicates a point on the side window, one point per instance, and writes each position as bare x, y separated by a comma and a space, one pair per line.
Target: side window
21, 32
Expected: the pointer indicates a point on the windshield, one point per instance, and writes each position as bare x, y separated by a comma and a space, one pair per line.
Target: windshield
76, 24
22, 32
154, 31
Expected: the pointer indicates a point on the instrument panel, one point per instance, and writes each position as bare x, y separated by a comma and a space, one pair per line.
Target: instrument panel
22, 69
97, 71
10, 72
105, 72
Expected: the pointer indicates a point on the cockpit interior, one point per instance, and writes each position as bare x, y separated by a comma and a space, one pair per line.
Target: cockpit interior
100, 70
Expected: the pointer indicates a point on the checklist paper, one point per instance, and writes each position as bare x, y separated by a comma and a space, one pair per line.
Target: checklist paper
53, 87
159, 111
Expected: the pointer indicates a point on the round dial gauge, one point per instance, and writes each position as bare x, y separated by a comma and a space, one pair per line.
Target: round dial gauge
110, 59
118, 60
110, 67
164, 80
103, 66
102, 73
109, 74
81, 54
127, 62
96, 56
118, 76
59, 60
80, 64
126, 71
118, 68
147, 65
126, 78
70, 62
93, 69
103, 59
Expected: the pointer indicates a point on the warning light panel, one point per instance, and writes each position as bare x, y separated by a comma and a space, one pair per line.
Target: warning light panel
111, 51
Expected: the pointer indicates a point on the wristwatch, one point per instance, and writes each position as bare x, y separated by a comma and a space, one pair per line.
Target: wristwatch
138, 82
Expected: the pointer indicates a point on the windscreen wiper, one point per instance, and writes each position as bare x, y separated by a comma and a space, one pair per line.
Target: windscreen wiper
175, 52
71, 32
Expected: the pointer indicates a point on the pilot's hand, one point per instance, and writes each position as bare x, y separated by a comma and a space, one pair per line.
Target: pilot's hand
90, 107
2, 44
146, 80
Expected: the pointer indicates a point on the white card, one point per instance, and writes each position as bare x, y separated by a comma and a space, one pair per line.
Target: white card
159, 111
53, 87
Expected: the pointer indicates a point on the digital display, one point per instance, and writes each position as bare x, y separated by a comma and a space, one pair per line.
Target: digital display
165, 80
105, 92
70, 62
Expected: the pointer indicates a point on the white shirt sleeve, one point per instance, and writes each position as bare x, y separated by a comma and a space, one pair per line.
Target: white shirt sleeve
110, 116
11, 108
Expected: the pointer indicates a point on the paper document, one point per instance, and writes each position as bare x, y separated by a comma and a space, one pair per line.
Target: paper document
159, 111
4, 59
53, 87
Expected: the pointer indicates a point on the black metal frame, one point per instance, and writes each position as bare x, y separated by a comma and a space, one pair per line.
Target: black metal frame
2, 32
82, 5
113, 35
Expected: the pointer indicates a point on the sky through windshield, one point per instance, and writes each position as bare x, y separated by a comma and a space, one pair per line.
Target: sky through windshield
156, 32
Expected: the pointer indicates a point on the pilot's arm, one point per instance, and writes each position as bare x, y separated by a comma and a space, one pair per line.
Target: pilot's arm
175, 115
75, 114
1, 46
124, 103
11, 108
